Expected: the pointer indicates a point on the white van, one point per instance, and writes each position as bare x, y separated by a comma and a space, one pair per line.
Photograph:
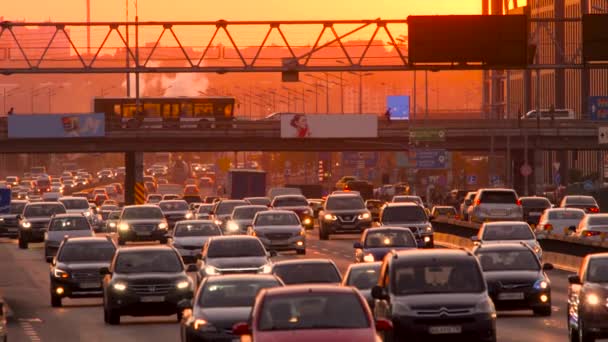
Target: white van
546, 114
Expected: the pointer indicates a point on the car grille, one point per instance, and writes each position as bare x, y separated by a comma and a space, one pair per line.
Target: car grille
514, 286
278, 236
144, 227
86, 276
40, 225
10, 222
238, 270
444, 321
347, 218
151, 289
445, 310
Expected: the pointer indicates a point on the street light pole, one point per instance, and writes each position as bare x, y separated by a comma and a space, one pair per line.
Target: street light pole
360, 93
426, 94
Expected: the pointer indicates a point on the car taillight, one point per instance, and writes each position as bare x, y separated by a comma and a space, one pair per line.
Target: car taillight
594, 210
477, 202
518, 203
589, 233
548, 227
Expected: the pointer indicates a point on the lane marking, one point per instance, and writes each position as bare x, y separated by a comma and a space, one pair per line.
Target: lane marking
30, 332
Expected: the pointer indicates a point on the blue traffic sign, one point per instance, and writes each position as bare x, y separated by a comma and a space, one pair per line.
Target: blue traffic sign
5, 201
430, 159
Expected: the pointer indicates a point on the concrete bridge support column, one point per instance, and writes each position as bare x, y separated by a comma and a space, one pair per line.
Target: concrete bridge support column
134, 164
538, 173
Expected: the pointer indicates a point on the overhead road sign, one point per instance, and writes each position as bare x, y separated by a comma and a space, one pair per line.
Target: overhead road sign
427, 134
430, 158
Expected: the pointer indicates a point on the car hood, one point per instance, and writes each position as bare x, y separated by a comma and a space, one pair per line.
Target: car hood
415, 224
297, 209
190, 240
345, 211
530, 243
176, 212
239, 262
76, 211
305, 335
224, 318
76, 266
38, 219
58, 235
139, 221
150, 277
434, 301
511, 277
277, 229
379, 253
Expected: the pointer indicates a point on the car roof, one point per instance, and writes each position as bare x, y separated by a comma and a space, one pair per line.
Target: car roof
289, 196
135, 249
425, 254
344, 195
68, 215
194, 221
564, 209
383, 228
256, 197
302, 289
172, 201
250, 206
505, 223
497, 189
231, 200
45, 203
241, 277
233, 237
141, 206
533, 197
88, 239
402, 204
577, 196
71, 198
303, 261
365, 265
498, 247
604, 215
269, 212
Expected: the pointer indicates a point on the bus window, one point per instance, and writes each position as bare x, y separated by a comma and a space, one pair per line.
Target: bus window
186, 110
128, 110
117, 111
228, 111
203, 109
152, 109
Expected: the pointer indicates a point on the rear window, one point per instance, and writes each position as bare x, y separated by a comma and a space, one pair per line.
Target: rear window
403, 214
307, 273
173, 206
594, 220
507, 232
226, 207
277, 219
535, 203
75, 204
345, 203
235, 248
43, 210
498, 197
69, 224
584, 200
437, 276
566, 215
295, 201
363, 278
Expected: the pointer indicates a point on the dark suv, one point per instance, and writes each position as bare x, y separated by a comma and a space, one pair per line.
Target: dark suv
75, 269
142, 223
144, 281
343, 214
299, 205
35, 219
9, 224
412, 216
439, 293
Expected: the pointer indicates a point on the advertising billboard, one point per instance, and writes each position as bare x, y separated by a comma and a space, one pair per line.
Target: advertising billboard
598, 107
329, 126
56, 125
398, 107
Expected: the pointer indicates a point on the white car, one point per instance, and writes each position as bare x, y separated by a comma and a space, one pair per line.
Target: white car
558, 221
505, 231
593, 226
495, 205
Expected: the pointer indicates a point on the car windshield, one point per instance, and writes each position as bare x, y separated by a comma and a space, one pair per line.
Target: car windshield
115, 215
259, 201
345, 203
304, 273
436, 276
582, 200
155, 198
566, 215
75, 204
246, 213
43, 210
389, 238
597, 271
86, 252
235, 248
313, 311
142, 213
205, 208
173, 206
499, 197
444, 211
69, 223
295, 201
598, 221
148, 261
226, 207
363, 278
508, 261
109, 207
399, 214
535, 203
196, 229
277, 219
507, 232
17, 208
224, 294
405, 199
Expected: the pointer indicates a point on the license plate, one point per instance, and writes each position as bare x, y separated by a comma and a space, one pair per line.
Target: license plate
152, 299
144, 233
511, 296
90, 285
443, 330
278, 242
498, 212
12, 230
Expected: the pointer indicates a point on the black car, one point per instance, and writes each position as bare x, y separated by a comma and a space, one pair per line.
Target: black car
307, 271
432, 294
145, 281
409, 215
220, 303
233, 254
343, 213
363, 277
223, 210
375, 243
533, 208
35, 219
299, 205
142, 223
175, 210
75, 269
189, 237
515, 278
9, 224
587, 316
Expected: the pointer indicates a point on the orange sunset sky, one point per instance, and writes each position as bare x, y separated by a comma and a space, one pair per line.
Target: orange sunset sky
114, 10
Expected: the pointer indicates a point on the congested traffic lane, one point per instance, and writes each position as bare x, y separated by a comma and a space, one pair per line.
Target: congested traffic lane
27, 288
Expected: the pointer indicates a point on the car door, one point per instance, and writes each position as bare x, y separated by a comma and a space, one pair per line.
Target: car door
383, 307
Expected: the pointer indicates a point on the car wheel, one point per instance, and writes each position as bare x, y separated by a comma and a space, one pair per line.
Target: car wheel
113, 317
23, 244
583, 335
572, 334
301, 251
55, 301
544, 311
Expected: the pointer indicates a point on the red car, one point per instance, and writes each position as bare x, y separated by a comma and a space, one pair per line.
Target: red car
311, 313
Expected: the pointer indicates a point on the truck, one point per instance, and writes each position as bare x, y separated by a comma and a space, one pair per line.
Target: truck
246, 183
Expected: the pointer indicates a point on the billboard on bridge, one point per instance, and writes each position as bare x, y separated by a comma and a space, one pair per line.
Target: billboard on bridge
329, 126
56, 125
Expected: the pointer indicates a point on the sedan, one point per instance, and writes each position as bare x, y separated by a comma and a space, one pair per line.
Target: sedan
377, 242
311, 313
558, 221
593, 226
175, 210
501, 232
279, 230
64, 226
307, 271
242, 218
220, 303
189, 237
587, 203
363, 277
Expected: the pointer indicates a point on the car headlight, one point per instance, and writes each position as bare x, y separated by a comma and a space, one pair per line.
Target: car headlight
163, 226
307, 221
112, 224
123, 226
330, 217
369, 258
119, 287
537, 249
88, 213
218, 222
592, 299
210, 270
184, 284
428, 229
486, 306
541, 285
364, 216
26, 224
232, 226
266, 269
189, 215
1, 219
203, 325
57, 273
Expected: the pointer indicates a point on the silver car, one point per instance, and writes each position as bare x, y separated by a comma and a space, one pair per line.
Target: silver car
501, 232
593, 226
62, 226
495, 205
466, 203
189, 237
558, 221
279, 230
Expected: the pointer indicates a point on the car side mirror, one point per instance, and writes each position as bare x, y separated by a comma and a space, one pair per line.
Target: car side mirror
241, 329
467, 202
379, 293
572, 229
191, 268
49, 259
357, 245
475, 238
184, 304
104, 271
272, 253
548, 267
384, 325
574, 279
